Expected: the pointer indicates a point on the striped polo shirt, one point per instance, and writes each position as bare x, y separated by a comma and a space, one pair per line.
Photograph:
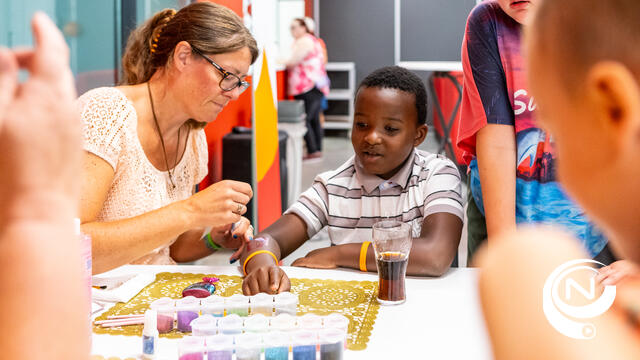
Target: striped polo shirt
349, 201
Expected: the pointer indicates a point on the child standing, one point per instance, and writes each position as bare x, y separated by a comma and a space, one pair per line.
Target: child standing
586, 77
387, 178
512, 176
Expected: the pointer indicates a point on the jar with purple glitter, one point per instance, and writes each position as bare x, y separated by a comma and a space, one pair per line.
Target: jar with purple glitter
165, 307
188, 309
219, 347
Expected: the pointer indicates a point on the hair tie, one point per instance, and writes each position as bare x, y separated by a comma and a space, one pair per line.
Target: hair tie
154, 42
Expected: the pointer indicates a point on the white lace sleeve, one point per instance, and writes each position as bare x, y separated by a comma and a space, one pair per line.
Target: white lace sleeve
103, 112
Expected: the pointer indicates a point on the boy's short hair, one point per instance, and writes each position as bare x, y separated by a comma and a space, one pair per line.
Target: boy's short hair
580, 33
396, 77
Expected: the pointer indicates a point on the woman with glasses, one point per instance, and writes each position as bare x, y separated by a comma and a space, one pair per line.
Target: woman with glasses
145, 146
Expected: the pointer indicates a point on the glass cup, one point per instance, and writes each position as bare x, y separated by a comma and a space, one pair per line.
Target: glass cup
391, 243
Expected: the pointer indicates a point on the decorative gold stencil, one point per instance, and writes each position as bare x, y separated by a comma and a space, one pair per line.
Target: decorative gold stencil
353, 299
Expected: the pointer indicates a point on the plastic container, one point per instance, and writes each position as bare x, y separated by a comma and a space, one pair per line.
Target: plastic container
331, 344
237, 304
276, 345
150, 335
304, 344
283, 322
248, 346
339, 322
261, 303
286, 303
205, 325
311, 322
213, 305
256, 324
188, 309
191, 348
230, 325
165, 308
219, 347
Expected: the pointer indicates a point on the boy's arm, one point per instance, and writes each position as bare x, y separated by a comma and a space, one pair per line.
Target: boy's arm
487, 119
431, 253
282, 237
496, 154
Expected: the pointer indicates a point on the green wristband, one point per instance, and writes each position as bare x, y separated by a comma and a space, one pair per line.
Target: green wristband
208, 241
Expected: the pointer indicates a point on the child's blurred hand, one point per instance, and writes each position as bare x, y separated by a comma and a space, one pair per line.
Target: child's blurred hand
325, 258
618, 271
269, 279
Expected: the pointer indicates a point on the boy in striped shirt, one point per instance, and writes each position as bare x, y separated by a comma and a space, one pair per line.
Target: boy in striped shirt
387, 178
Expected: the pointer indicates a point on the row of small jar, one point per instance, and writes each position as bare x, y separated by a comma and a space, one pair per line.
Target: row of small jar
233, 324
324, 344
189, 308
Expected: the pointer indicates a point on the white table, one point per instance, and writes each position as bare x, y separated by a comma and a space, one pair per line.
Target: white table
441, 318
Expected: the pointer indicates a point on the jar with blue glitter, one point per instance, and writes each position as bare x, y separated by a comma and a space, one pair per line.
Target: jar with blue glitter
304, 344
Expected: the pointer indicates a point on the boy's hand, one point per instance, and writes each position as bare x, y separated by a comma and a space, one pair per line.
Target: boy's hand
618, 271
269, 279
325, 258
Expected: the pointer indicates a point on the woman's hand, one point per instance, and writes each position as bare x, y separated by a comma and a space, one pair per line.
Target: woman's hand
233, 236
219, 205
325, 258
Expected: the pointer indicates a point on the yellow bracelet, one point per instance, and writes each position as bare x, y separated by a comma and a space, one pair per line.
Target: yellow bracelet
363, 255
244, 266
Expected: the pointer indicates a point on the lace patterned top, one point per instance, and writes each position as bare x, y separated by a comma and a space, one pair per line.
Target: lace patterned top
110, 132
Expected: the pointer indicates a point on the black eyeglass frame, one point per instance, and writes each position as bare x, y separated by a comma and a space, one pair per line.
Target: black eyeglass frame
243, 85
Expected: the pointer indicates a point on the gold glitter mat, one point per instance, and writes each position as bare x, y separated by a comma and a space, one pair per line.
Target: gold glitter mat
353, 299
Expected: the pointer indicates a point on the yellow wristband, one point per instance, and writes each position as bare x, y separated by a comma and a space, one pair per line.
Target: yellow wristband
363, 255
244, 266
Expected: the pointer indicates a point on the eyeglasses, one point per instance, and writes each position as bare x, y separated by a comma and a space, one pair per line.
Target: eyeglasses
229, 80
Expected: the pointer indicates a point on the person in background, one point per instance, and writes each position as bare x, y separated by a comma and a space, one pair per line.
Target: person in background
512, 164
44, 306
323, 83
306, 71
586, 79
146, 148
388, 178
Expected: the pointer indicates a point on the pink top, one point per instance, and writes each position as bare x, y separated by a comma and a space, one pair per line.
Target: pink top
309, 72
110, 132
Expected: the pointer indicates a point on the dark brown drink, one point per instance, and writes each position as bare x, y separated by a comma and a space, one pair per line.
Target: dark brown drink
392, 267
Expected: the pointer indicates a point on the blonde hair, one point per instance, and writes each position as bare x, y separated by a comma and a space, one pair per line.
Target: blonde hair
577, 34
212, 28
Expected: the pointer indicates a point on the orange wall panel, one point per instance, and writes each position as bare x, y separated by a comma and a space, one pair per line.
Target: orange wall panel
235, 5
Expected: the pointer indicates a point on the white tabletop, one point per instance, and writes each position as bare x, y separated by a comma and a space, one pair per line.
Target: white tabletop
441, 318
